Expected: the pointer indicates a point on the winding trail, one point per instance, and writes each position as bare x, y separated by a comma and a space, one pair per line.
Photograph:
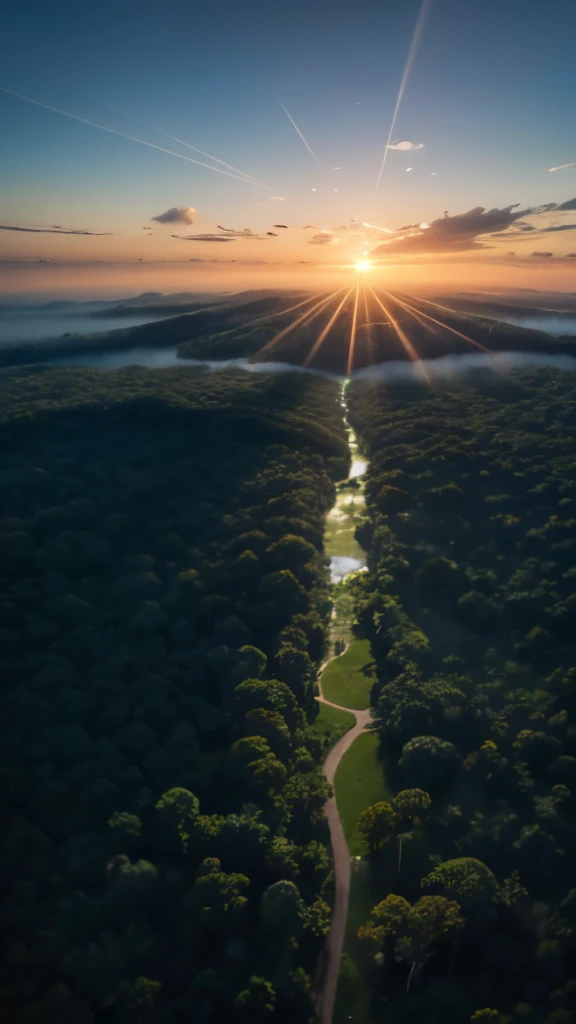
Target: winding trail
330, 966
346, 557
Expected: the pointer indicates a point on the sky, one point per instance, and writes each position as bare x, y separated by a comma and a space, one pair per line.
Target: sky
325, 162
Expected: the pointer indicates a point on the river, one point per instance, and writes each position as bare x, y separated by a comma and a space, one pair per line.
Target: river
346, 557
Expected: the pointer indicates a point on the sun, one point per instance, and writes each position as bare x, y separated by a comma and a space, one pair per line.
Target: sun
363, 265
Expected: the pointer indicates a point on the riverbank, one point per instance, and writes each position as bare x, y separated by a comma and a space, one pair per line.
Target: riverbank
352, 766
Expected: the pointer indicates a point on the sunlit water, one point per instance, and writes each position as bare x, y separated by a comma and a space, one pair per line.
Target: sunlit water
346, 555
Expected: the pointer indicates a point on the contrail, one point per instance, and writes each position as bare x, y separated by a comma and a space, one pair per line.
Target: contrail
407, 69
132, 138
182, 143
312, 154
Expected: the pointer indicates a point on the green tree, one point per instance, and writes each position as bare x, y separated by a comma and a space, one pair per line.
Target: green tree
429, 760
257, 1001
377, 824
412, 803
467, 881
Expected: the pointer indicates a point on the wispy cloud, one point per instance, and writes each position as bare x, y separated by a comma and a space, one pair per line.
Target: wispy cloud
205, 238
562, 167
542, 255
406, 145
276, 199
235, 233
176, 215
324, 238
55, 230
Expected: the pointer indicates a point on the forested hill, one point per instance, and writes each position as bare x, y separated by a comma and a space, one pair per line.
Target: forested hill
164, 603
470, 608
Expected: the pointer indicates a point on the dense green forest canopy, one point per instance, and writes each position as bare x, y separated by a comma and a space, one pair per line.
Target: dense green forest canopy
164, 604
470, 607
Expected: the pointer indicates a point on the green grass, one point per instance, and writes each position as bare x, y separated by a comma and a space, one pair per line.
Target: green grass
347, 680
353, 993
359, 782
331, 724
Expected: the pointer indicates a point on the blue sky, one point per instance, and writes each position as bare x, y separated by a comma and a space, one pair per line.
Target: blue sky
490, 97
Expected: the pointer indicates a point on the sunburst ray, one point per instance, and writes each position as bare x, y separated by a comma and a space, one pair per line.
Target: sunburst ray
445, 327
326, 329
308, 316
402, 337
352, 342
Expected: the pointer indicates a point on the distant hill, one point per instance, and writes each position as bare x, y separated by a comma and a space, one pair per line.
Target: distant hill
265, 326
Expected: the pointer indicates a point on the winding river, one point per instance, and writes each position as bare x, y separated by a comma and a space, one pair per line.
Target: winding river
346, 556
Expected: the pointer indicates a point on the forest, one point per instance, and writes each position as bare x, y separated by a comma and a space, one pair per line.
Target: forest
164, 608
469, 605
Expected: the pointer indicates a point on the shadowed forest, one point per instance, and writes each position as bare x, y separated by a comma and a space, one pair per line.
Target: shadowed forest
164, 604
469, 607
165, 609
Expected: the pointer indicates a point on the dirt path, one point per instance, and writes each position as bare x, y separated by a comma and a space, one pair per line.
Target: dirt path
330, 967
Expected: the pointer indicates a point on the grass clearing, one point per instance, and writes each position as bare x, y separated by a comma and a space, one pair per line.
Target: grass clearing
331, 723
359, 782
349, 678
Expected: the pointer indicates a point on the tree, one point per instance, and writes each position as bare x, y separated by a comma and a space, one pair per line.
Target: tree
377, 824
178, 810
429, 760
282, 909
412, 803
431, 919
257, 1001
408, 933
467, 881
217, 897
126, 826
143, 998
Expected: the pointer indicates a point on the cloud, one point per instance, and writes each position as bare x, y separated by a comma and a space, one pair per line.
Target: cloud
451, 234
543, 255
323, 238
235, 233
276, 199
571, 255
558, 227
562, 167
56, 230
205, 238
176, 215
408, 169
273, 234
405, 146
570, 204
280, 226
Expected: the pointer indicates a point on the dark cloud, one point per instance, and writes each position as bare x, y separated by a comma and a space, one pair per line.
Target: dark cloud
543, 255
280, 226
571, 255
273, 234
205, 238
307, 227
54, 231
559, 227
570, 204
465, 232
176, 215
